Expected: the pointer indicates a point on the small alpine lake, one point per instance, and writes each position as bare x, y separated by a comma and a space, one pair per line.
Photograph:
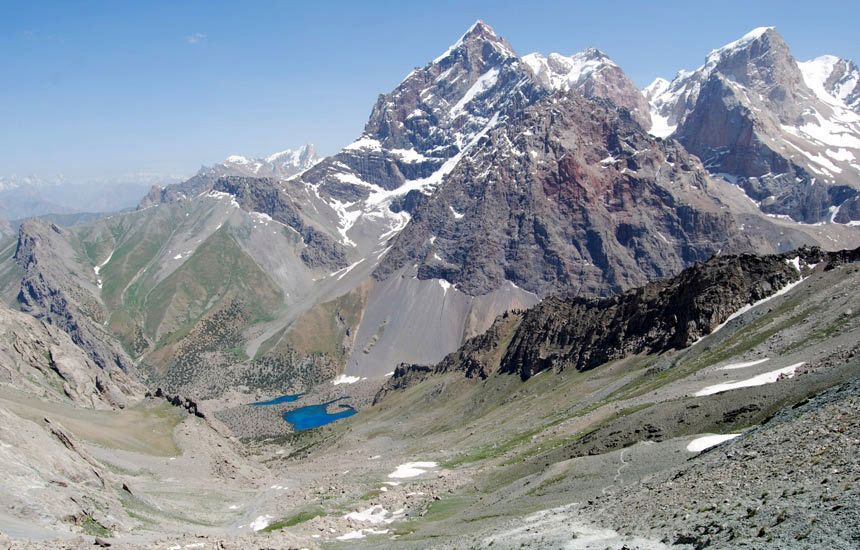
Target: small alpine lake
309, 416
278, 400
314, 416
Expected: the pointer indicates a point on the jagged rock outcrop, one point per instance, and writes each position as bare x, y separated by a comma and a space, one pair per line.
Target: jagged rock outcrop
54, 290
177, 400
579, 333
38, 358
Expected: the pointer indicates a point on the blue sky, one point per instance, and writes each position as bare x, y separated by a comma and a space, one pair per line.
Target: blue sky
99, 89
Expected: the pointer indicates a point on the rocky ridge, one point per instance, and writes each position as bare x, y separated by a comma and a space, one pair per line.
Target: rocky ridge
580, 333
38, 358
281, 165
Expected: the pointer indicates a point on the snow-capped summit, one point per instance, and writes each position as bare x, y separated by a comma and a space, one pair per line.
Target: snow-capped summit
591, 73
282, 164
566, 73
717, 55
479, 32
657, 87
777, 127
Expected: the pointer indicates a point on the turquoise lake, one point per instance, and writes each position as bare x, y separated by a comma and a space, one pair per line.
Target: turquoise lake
309, 416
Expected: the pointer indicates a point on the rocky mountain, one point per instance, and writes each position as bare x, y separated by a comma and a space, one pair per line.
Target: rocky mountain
750, 114
832, 78
570, 193
593, 74
512, 295
278, 165
53, 289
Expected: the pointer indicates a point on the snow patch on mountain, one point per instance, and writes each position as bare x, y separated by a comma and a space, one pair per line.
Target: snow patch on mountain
834, 80
568, 73
484, 83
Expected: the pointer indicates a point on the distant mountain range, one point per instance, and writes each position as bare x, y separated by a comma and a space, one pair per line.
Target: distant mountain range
24, 197
278, 165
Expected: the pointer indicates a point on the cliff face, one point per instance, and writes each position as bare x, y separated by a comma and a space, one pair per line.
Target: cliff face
772, 126
53, 289
38, 358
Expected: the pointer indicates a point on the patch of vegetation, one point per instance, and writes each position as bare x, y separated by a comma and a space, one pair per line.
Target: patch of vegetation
492, 450
544, 447
547, 446
447, 507
295, 519
155, 429
546, 483
834, 328
324, 328
94, 528
148, 514
218, 271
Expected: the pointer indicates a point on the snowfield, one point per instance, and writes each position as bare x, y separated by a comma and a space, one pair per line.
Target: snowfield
759, 380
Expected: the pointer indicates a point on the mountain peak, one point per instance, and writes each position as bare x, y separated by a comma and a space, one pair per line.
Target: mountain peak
593, 53
758, 35
296, 156
479, 32
657, 87
479, 28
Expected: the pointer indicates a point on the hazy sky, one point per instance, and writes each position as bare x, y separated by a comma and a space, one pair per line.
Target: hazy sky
98, 89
